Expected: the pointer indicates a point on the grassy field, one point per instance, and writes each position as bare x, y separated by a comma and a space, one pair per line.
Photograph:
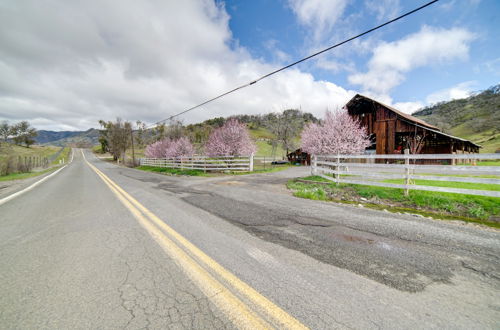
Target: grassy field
479, 209
264, 149
7, 149
13, 160
489, 163
34, 151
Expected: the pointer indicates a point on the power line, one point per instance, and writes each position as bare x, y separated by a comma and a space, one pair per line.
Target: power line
297, 62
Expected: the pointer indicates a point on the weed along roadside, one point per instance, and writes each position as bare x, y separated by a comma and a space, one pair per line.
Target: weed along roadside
438, 205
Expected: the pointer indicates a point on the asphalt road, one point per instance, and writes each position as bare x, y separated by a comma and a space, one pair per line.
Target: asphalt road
73, 255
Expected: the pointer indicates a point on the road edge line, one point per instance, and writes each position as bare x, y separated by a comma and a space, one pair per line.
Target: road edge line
20, 192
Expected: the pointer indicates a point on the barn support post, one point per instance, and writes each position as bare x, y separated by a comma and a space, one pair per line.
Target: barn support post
407, 171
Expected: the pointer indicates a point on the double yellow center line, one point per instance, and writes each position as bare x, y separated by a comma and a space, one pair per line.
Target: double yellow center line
222, 287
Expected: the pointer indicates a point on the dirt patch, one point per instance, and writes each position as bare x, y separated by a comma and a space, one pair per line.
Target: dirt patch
231, 183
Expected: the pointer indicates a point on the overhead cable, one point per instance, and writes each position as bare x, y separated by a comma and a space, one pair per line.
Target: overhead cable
296, 62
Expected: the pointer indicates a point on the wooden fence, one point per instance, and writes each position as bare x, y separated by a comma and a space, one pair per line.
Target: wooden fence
376, 170
204, 163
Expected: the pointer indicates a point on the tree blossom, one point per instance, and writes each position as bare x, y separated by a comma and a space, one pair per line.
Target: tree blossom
232, 139
170, 148
181, 147
338, 133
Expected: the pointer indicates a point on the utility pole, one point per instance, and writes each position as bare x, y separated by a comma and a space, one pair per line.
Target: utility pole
132, 140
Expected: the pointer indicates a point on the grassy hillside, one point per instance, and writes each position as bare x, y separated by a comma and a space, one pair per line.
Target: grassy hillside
14, 159
476, 118
7, 149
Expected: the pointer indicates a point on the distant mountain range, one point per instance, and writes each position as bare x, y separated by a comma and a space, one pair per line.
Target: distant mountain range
476, 118
89, 137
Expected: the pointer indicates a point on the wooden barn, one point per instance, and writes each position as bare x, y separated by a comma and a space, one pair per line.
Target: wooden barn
392, 131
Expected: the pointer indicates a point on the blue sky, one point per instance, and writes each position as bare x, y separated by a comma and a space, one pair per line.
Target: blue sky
67, 64
271, 30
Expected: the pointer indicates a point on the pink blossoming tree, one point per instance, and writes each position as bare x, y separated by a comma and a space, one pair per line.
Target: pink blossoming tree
170, 148
338, 133
232, 139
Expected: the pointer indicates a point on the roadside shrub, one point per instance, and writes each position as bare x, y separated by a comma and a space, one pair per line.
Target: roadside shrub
477, 212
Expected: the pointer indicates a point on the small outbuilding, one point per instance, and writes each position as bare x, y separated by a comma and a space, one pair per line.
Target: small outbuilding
392, 131
299, 157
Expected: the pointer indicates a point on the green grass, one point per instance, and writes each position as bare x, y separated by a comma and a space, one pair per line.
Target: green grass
479, 209
172, 171
264, 149
261, 133
268, 169
65, 154
187, 172
489, 163
450, 184
20, 176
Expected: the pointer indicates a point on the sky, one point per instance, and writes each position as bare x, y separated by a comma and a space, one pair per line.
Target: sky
64, 65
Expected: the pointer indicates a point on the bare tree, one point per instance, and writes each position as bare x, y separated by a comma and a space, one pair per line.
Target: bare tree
5, 130
118, 137
175, 130
140, 130
159, 132
286, 127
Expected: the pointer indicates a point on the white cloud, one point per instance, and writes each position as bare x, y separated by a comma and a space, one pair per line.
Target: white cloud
65, 65
392, 60
459, 91
320, 15
385, 9
408, 107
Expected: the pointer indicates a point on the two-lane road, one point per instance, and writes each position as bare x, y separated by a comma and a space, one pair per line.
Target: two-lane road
101, 246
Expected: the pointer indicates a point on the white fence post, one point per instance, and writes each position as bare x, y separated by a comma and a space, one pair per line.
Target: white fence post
407, 171
251, 163
337, 175
313, 165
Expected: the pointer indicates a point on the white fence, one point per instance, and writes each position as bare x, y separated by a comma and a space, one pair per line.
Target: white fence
375, 170
204, 163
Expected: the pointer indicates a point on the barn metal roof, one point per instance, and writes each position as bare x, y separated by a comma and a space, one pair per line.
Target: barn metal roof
396, 111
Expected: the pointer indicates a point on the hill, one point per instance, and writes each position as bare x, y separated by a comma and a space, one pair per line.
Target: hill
89, 137
476, 118
49, 136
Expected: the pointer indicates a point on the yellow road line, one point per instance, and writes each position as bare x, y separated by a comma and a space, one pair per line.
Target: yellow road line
228, 303
277, 315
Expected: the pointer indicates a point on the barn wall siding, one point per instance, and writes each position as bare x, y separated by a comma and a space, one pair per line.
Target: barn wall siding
385, 124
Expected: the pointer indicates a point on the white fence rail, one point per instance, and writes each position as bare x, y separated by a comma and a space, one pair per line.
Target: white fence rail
377, 170
204, 163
